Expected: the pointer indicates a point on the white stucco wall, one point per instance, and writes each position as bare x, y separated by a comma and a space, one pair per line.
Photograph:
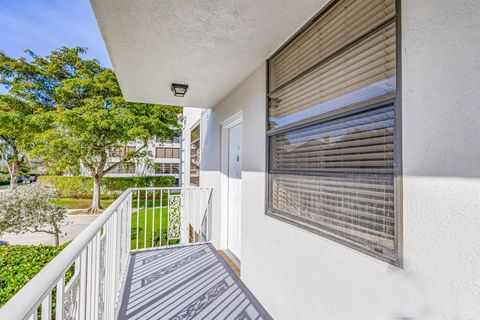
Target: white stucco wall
294, 273
441, 149
299, 275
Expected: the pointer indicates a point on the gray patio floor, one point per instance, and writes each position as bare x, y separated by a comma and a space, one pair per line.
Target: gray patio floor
186, 282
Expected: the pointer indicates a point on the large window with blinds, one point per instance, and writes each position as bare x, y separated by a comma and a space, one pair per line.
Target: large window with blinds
332, 133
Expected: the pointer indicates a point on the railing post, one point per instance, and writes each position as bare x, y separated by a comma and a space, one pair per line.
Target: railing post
78, 270
184, 234
108, 268
59, 303
92, 299
153, 219
161, 217
209, 225
115, 254
47, 307
195, 213
121, 241
96, 273
83, 284
145, 217
129, 221
88, 280
138, 218
168, 217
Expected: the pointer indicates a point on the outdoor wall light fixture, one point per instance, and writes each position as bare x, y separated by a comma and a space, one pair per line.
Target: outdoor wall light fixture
179, 90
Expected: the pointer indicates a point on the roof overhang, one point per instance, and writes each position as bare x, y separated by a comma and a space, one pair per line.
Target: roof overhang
210, 45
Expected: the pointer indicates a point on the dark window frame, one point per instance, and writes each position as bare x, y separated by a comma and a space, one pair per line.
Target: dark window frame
397, 102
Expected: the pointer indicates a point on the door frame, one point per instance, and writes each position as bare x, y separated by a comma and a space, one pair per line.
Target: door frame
226, 125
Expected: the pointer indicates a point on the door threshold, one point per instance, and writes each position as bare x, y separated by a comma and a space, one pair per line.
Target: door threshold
231, 260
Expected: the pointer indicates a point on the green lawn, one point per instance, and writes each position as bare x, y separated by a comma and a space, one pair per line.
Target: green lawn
144, 230
149, 203
152, 217
79, 203
85, 203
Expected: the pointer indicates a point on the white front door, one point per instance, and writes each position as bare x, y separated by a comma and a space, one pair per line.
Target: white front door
234, 189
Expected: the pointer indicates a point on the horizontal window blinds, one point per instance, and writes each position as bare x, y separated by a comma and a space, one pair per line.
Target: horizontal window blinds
337, 177
160, 152
370, 65
332, 127
363, 70
166, 168
167, 153
359, 143
345, 21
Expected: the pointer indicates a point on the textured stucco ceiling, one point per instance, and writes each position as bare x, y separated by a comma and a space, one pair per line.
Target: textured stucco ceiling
211, 45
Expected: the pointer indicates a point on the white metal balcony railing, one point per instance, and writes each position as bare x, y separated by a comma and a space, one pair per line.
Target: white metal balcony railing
84, 281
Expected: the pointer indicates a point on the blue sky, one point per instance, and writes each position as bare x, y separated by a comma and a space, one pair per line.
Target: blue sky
44, 25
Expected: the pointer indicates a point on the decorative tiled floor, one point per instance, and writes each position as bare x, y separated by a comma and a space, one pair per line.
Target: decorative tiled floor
186, 282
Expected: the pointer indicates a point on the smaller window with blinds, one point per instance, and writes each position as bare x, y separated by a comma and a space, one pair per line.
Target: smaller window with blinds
195, 155
123, 168
166, 168
167, 152
332, 127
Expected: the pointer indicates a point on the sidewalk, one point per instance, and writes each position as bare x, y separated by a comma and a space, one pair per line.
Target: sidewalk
72, 226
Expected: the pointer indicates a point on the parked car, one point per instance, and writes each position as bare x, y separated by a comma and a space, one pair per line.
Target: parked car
4, 243
27, 179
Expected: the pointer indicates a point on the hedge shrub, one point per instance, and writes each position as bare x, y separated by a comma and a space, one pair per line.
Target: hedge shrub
82, 187
19, 264
4, 178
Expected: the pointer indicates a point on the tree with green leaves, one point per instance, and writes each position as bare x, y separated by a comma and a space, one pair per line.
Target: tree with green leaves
20, 126
91, 118
25, 111
95, 129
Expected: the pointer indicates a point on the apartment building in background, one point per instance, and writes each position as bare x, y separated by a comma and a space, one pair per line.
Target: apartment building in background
163, 159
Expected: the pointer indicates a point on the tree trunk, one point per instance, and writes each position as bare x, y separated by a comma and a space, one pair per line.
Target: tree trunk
95, 207
57, 239
13, 180
14, 170
56, 234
